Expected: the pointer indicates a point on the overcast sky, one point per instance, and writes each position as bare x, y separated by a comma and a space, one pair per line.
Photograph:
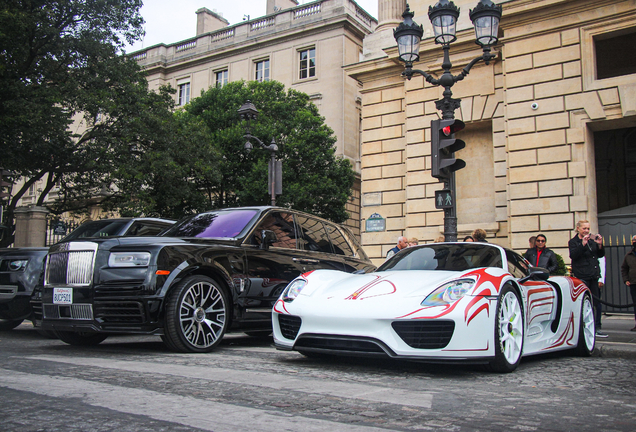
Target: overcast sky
170, 21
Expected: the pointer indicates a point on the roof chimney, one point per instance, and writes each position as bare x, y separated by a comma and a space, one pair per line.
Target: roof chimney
209, 21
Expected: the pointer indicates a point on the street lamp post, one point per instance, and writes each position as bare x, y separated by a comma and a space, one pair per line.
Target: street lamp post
248, 112
408, 34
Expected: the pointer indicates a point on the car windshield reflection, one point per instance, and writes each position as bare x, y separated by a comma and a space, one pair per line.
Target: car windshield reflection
221, 224
447, 257
99, 228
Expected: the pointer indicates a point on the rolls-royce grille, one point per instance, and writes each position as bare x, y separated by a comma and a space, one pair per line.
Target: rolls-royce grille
339, 344
425, 334
114, 312
289, 326
73, 311
70, 268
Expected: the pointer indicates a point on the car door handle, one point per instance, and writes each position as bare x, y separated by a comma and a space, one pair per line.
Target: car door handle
306, 260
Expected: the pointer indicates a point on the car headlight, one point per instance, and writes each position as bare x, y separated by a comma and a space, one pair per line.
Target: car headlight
129, 259
18, 265
293, 289
448, 293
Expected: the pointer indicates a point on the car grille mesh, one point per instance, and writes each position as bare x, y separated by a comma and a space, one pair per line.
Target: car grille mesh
119, 312
425, 334
339, 343
70, 268
289, 326
73, 311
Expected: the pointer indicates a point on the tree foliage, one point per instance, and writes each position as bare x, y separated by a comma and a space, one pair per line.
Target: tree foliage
314, 179
70, 104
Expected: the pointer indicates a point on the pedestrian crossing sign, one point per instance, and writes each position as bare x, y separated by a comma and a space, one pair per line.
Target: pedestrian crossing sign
444, 199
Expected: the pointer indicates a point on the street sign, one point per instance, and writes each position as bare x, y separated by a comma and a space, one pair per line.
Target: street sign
375, 223
444, 199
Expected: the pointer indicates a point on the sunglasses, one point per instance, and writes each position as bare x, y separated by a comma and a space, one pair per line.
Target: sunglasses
539, 241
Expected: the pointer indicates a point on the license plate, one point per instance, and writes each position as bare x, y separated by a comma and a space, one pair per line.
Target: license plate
63, 295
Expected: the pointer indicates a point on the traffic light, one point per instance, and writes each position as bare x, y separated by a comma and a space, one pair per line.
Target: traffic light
443, 146
4, 184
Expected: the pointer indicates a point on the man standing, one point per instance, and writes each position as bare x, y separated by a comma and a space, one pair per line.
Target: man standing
401, 244
585, 250
541, 256
628, 272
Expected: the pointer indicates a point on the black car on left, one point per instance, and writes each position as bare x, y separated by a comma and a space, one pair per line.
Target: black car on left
21, 268
210, 273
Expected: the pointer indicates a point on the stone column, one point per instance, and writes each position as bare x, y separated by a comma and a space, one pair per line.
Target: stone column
30, 226
390, 13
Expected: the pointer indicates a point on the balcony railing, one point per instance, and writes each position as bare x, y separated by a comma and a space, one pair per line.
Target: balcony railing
238, 33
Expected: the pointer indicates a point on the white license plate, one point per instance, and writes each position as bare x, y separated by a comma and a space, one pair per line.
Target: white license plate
63, 295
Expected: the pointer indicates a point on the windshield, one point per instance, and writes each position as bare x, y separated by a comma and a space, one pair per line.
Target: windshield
99, 228
449, 257
222, 224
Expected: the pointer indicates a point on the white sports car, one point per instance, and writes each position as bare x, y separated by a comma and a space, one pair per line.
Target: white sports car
442, 302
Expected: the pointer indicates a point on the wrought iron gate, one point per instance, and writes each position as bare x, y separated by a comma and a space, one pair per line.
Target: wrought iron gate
617, 227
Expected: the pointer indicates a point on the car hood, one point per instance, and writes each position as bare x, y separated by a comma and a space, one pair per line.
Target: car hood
333, 285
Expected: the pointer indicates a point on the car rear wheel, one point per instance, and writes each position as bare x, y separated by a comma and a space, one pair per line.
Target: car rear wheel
9, 324
197, 315
508, 332
81, 338
587, 329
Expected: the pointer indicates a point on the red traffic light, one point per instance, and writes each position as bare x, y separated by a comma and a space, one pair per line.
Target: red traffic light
446, 130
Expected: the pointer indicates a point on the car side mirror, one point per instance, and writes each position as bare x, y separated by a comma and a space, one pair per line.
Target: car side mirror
268, 237
536, 273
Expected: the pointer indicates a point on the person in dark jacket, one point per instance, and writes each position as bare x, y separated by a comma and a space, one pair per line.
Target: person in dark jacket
585, 250
541, 256
628, 272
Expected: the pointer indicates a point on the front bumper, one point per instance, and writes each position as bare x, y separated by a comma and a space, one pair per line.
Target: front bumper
108, 311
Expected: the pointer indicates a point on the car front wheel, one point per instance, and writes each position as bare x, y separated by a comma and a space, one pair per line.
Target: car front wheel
197, 315
587, 329
508, 332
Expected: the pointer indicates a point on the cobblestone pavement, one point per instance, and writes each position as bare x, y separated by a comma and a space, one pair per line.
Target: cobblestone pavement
135, 384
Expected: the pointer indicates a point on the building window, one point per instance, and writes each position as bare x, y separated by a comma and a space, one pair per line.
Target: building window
612, 58
307, 63
221, 78
262, 71
184, 93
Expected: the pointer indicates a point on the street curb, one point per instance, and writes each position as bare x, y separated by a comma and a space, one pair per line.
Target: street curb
615, 349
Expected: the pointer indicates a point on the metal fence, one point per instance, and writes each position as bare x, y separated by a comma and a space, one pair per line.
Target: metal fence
57, 229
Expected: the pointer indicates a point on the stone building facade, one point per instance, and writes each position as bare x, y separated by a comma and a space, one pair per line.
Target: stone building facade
550, 123
302, 46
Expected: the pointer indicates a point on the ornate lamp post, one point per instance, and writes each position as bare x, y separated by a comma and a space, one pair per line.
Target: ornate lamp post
408, 34
249, 112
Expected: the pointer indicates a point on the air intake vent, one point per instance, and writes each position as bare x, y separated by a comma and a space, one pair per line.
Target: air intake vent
289, 326
425, 334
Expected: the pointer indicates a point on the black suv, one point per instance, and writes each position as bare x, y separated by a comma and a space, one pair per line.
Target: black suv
21, 268
209, 273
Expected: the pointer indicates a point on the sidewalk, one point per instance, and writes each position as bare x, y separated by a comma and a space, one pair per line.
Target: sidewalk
621, 341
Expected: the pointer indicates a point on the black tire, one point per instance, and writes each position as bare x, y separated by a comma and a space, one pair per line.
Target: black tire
81, 338
9, 324
197, 315
587, 329
509, 329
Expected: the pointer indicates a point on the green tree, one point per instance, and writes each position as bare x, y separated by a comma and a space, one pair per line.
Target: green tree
173, 176
314, 179
70, 105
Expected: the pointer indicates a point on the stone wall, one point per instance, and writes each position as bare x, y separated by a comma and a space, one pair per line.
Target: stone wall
530, 168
